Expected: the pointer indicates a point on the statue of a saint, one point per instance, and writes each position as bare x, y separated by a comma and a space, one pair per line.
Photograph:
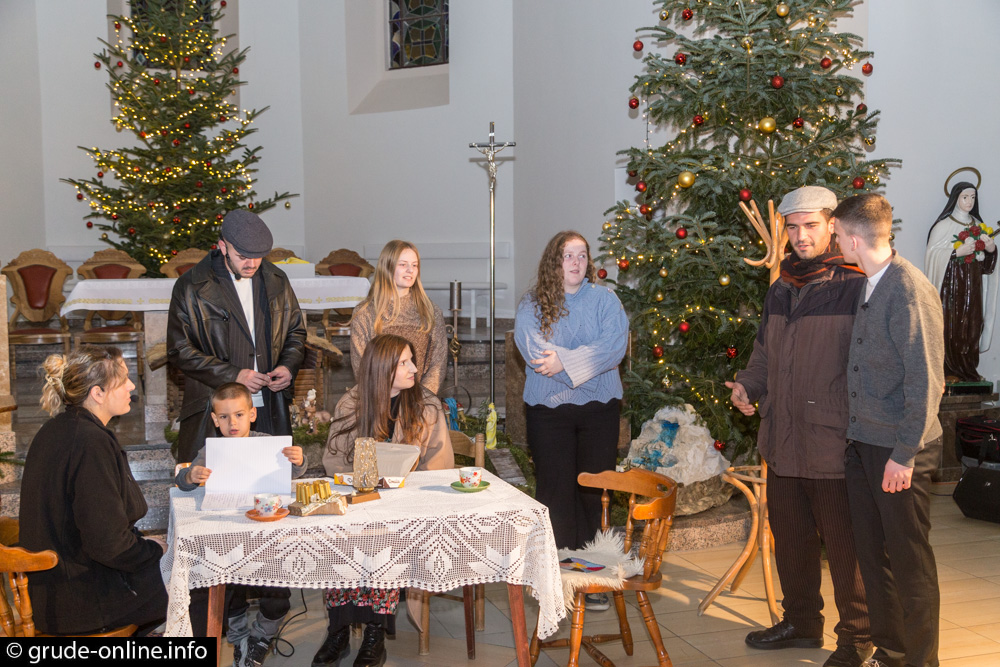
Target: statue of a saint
961, 260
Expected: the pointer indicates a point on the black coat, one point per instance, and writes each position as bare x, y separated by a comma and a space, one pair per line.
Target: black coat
78, 498
209, 342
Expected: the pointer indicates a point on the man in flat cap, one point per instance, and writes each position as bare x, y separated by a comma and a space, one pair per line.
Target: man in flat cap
797, 375
234, 318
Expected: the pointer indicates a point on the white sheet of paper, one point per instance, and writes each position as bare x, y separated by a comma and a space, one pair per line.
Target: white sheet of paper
242, 467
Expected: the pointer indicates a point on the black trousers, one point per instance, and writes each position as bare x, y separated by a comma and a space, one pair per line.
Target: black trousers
565, 441
274, 603
804, 515
896, 559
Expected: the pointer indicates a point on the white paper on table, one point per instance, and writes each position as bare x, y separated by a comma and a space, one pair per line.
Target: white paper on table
242, 467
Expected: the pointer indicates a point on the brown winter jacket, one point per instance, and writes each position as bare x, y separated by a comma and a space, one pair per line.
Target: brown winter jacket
797, 374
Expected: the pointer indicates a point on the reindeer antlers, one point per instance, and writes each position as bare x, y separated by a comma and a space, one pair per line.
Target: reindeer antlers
774, 237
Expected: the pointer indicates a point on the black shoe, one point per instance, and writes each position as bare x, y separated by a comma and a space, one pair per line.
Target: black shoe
372, 651
848, 656
782, 635
882, 659
336, 647
257, 649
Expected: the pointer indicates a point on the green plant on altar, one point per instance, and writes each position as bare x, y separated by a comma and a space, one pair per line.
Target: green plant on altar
760, 97
475, 424
172, 79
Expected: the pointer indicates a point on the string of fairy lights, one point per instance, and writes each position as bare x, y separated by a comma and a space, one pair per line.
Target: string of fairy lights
757, 148
181, 154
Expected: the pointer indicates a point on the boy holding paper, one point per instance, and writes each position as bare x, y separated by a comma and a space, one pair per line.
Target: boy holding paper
233, 412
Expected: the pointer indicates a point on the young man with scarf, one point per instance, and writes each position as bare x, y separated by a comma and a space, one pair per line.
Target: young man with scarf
797, 374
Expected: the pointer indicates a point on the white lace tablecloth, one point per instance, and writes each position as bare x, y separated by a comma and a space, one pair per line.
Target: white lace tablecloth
425, 535
151, 294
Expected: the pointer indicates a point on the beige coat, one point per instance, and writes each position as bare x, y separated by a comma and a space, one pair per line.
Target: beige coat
435, 448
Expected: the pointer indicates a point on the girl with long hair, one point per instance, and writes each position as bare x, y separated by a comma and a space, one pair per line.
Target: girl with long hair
78, 498
573, 334
388, 404
398, 304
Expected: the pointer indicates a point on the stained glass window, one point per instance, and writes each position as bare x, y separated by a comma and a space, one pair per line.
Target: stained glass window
418, 33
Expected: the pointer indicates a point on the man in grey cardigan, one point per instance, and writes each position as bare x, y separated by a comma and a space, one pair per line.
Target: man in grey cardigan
895, 378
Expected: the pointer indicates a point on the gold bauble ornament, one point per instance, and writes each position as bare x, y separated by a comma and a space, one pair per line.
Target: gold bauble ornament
659, 296
747, 43
159, 158
685, 179
606, 226
869, 141
724, 279
664, 15
663, 272
782, 9
104, 237
839, 91
288, 204
767, 125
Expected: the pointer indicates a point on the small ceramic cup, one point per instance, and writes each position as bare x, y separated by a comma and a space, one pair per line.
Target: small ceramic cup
266, 504
470, 476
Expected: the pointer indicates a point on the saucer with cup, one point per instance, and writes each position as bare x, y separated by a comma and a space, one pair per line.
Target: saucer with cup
470, 480
267, 507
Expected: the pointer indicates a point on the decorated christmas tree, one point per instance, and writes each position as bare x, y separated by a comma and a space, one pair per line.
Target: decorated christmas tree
761, 98
173, 82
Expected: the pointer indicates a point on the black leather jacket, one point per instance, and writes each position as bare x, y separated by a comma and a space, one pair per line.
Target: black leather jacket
198, 344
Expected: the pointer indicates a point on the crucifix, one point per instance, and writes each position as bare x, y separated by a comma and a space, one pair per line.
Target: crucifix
490, 150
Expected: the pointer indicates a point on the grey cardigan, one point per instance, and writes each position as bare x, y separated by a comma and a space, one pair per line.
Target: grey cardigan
895, 373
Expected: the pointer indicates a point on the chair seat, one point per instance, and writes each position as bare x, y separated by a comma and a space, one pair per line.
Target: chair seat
37, 332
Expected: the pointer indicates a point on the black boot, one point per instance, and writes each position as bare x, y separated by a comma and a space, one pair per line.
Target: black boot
372, 651
336, 646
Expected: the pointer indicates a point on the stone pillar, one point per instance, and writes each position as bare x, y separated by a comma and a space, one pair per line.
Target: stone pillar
155, 328
9, 472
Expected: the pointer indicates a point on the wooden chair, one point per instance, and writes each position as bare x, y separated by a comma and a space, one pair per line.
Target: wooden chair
656, 517
473, 597
105, 265
15, 563
37, 278
342, 262
279, 254
182, 262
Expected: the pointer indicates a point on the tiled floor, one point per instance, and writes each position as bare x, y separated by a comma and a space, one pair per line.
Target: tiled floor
968, 554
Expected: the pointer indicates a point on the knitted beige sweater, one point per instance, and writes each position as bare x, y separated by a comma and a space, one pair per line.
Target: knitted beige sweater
430, 348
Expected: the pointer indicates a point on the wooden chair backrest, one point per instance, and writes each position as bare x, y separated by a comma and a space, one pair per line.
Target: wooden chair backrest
656, 511
466, 446
17, 620
182, 262
37, 278
279, 254
344, 262
110, 264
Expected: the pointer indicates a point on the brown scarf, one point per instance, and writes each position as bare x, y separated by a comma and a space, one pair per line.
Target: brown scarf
799, 272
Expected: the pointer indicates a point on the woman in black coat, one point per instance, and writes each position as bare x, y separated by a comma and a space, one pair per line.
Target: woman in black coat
78, 498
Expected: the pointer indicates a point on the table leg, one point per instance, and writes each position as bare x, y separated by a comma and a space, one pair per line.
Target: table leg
216, 607
515, 594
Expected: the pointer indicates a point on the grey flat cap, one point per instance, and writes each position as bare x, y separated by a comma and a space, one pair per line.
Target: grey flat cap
247, 233
807, 199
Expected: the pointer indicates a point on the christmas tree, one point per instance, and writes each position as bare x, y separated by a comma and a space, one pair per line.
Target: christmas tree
172, 81
764, 97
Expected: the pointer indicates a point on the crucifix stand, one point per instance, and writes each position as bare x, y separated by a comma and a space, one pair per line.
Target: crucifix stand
490, 150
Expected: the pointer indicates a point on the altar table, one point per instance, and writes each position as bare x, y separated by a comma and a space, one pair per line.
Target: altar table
425, 535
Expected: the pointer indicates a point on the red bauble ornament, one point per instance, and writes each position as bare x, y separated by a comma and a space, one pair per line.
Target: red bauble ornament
623, 264
745, 195
100, 174
680, 58
637, 45
777, 81
236, 70
825, 63
223, 3
187, 59
867, 68
798, 123
142, 135
215, 247
150, 204
163, 132
187, 126
97, 65
681, 233
632, 173
173, 252
719, 445
250, 206
699, 119
224, 190
218, 216
167, 170
190, 91
657, 351
222, 119
136, 169
156, 82
114, 216
208, 163
163, 39
79, 195
687, 14
684, 327
197, 184
633, 103
177, 207
177, 142
644, 210
131, 231
641, 186
120, 64
858, 183
862, 108
731, 352
89, 224
602, 274
176, 221
118, 26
